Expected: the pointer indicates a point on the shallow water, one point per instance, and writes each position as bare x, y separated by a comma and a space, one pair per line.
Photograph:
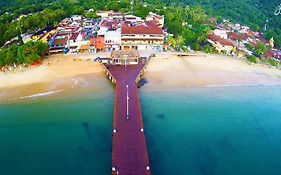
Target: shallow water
214, 131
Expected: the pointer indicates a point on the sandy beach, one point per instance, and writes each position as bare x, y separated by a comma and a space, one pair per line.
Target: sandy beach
56, 74
62, 72
167, 70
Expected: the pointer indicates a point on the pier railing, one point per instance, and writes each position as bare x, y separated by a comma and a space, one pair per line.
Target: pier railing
143, 69
109, 75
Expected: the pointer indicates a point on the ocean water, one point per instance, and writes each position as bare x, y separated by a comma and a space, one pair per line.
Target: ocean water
198, 131
66, 135
214, 130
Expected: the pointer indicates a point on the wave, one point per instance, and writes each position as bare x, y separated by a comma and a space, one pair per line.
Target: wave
41, 94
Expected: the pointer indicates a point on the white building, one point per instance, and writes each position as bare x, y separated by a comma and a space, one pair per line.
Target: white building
133, 18
113, 40
142, 38
76, 18
104, 14
102, 31
221, 44
75, 41
221, 33
155, 17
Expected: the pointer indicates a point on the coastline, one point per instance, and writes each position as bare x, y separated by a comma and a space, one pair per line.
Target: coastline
57, 74
167, 71
65, 73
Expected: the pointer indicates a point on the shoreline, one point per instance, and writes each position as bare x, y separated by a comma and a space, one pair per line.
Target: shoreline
57, 73
169, 71
60, 73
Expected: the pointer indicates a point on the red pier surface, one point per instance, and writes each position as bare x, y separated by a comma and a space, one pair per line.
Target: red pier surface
129, 152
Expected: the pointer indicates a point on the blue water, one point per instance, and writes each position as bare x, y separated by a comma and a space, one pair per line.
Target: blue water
197, 131
214, 131
68, 135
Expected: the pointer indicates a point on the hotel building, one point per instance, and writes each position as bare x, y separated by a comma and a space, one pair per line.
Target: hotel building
142, 37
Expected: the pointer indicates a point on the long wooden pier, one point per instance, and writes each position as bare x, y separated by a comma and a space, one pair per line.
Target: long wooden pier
129, 152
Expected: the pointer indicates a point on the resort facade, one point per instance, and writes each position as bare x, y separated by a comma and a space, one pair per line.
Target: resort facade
142, 37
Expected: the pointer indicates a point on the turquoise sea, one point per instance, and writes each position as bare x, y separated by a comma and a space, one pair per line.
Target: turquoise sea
61, 136
214, 131
196, 131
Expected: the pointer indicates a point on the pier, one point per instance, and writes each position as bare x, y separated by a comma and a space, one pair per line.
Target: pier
129, 152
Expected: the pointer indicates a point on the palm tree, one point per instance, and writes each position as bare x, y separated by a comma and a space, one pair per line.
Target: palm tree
179, 42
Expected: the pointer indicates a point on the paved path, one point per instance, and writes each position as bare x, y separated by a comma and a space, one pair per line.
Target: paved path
129, 153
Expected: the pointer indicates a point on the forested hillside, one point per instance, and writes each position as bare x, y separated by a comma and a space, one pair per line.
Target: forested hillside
244, 11
254, 13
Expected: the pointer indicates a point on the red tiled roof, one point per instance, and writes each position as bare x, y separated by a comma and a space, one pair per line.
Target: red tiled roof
222, 41
74, 36
236, 36
141, 29
152, 23
60, 41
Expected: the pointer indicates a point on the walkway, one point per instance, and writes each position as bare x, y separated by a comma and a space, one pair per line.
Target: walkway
129, 153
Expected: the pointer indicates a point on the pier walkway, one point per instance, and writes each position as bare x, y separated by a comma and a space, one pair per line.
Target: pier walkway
129, 152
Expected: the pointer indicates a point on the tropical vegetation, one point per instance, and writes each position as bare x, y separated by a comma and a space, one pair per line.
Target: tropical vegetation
27, 53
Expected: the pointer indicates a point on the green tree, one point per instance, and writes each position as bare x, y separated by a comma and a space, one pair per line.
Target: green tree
260, 49
91, 14
273, 62
113, 5
252, 59
208, 48
249, 47
171, 41
254, 27
179, 42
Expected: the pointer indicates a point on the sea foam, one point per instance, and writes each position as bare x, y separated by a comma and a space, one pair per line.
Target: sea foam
41, 94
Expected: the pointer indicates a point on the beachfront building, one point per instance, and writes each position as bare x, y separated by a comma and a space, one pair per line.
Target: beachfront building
113, 40
59, 43
75, 42
155, 17
97, 44
142, 37
221, 44
123, 57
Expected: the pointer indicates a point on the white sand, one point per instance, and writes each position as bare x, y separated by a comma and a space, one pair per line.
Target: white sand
60, 72
169, 70
57, 73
